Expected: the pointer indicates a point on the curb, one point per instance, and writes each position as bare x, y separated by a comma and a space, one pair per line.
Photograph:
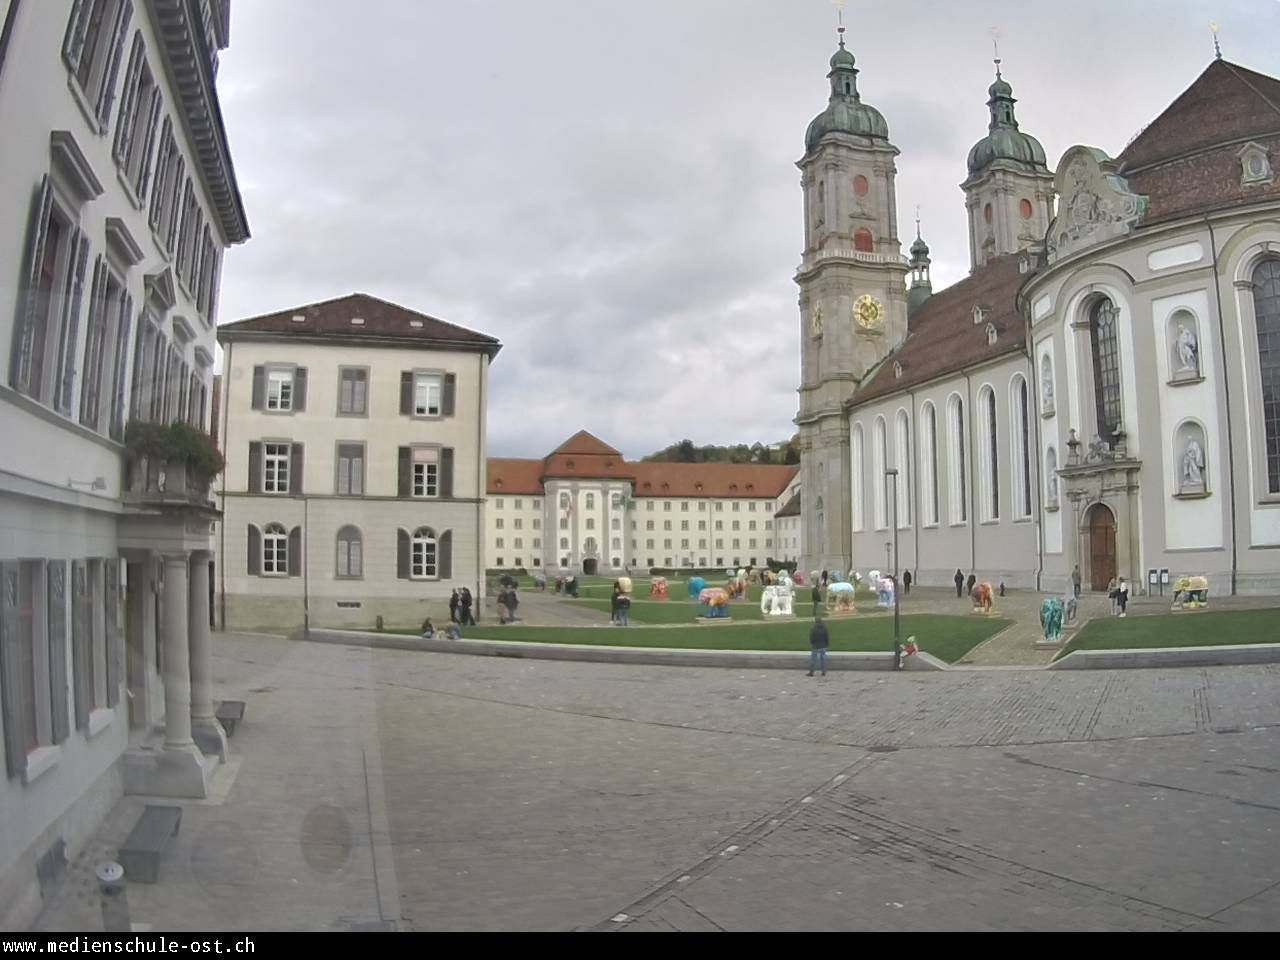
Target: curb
730, 659
1224, 656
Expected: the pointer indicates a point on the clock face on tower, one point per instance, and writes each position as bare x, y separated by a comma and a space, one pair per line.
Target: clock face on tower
868, 313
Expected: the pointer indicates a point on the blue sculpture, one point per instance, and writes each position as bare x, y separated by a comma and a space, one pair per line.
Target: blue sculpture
696, 586
1051, 619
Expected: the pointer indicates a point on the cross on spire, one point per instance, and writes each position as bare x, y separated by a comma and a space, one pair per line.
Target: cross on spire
995, 44
918, 237
1217, 47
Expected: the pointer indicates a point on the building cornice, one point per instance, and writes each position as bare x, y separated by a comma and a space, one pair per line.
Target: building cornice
381, 341
190, 64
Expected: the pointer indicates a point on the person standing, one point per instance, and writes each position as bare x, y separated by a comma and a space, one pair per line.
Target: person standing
1113, 591
613, 604
453, 606
464, 601
906, 582
969, 584
817, 600
819, 641
1122, 596
959, 584
1075, 581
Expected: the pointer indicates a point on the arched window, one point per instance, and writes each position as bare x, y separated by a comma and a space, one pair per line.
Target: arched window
1266, 305
988, 456
858, 468
275, 550
350, 553
1106, 368
591, 501
423, 554
902, 456
1020, 433
879, 461
929, 459
1047, 389
958, 461
863, 241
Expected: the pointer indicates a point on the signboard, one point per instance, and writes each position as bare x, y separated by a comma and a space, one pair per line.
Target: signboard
1164, 577
1153, 577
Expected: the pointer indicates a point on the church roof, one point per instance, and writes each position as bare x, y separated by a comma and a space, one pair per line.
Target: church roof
1226, 103
944, 337
586, 444
1188, 160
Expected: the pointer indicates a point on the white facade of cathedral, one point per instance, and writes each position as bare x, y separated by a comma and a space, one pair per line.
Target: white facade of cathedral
1103, 390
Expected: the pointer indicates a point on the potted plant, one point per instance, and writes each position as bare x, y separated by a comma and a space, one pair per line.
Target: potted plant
172, 459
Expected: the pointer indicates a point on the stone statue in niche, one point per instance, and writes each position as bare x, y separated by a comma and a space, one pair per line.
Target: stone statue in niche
1188, 352
1047, 394
1053, 489
1193, 465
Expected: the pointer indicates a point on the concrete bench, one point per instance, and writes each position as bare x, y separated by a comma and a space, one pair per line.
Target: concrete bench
140, 853
229, 713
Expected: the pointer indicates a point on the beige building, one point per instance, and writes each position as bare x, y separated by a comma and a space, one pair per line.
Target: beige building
354, 435
585, 507
1103, 390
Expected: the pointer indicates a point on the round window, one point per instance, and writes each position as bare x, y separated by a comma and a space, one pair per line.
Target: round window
860, 185
1026, 209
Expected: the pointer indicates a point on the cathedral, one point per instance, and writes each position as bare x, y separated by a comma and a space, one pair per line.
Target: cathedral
1102, 390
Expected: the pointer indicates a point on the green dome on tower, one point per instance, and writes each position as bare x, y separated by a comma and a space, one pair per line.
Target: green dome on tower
1005, 141
846, 113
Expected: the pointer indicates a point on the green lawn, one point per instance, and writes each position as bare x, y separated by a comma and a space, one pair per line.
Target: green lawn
1190, 629
947, 638
686, 611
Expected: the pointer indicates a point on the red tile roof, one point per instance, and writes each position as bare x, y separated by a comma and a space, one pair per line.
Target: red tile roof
511, 476
944, 339
381, 318
586, 443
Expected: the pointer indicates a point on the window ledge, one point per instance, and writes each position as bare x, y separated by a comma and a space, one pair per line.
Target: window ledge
990, 523
1048, 414
1052, 508
99, 720
1184, 381
129, 190
1196, 495
161, 245
82, 101
39, 762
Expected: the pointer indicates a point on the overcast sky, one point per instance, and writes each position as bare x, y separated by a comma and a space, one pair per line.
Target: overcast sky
610, 189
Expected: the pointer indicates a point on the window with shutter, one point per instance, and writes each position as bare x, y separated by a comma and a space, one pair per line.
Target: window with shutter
275, 551
350, 469
93, 48
353, 385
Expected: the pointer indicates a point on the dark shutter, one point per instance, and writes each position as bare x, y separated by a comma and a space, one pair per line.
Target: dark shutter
113, 65
71, 326
148, 148
95, 337
24, 329
450, 389
300, 389
406, 392
402, 554
254, 562
15, 734
259, 388
255, 467
81, 642
121, 362
404, 473
295, 552
73, 42
57, 591
446, 473
444, 556
111, 611
164, 163
129, 106
295, 469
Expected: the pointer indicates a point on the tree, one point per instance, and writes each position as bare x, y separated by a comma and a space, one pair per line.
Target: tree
686, 452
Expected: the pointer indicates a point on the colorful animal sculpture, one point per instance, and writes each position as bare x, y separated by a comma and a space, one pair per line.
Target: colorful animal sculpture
840, 598
696, 586
983, 599
713, 604
777, 601
658, 588
1191, 593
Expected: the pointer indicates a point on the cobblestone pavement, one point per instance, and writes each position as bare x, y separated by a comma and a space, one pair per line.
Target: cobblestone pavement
436, 792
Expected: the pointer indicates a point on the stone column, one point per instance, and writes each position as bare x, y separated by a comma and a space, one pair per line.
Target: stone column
177, 656
205, 728
140, 640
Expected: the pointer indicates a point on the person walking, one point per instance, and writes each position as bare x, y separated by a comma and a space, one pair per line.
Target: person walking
824, 578
1122, 596
613, 604
819, 641
1113, 591
453, 606
969, 584
464, 601
906, 582
959, 584
1075, 581
817, 600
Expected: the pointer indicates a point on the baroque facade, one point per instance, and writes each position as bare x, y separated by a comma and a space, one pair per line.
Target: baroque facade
1102, 390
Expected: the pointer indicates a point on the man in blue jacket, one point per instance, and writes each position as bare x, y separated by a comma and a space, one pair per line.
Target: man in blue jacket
819, 641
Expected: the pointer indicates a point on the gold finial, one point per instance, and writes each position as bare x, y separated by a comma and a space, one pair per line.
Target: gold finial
840, 5
1217, 47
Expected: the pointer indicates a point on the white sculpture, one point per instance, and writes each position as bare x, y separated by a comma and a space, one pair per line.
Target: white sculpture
1188, 351
776, 601
1193, 465
1047, 394
1053, 488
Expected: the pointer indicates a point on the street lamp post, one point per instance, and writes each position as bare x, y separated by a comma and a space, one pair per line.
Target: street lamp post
891, 484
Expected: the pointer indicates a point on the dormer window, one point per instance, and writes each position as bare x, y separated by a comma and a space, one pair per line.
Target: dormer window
1255, 165
357, 321
992, 334
979, 314
897, 370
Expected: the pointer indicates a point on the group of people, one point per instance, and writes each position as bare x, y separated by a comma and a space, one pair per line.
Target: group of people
460, 604
619, 606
